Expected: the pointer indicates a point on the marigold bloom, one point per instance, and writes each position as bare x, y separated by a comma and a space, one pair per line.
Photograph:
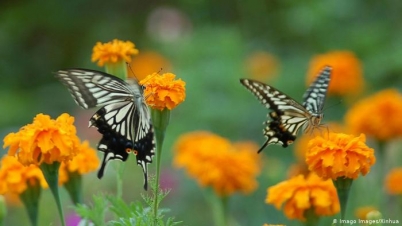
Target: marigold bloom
361, 213
114, 51
393, 182
339, 155
345, 67
45, 140
261, 65
162, 91
378, 116
299, 194
15, 177
84, 162
214, 162
148, 62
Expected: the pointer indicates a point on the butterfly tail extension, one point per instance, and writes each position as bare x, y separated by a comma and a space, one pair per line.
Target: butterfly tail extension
144, 151
102, 167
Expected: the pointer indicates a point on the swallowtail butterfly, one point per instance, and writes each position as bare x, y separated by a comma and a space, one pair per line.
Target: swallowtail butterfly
287, 115
124, 119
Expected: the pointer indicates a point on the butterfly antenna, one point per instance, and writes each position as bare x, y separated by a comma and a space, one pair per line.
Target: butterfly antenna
158, 72
131, 69
331, 106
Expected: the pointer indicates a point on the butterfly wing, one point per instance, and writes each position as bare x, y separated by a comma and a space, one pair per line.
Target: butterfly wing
314, 97
124, 121
91, 88
116, 146
287, 116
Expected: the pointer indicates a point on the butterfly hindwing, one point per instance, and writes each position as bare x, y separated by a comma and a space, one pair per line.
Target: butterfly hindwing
118, 147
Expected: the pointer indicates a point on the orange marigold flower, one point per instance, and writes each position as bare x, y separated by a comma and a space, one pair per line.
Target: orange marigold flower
113, 52
345, 67
361, 213
393, 182
378, 116
45, 140
84, 162
15, 177
148, 62
215, 162
162, 91
339, 155
261, 65
300, 194
301, 144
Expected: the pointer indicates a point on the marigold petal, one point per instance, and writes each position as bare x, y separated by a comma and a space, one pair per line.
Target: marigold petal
112, 52
377, 115
214, 162
339, 155
300, 194
44, 140
163, 91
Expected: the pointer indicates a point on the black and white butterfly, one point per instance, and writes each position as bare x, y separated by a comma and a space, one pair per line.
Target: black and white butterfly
124, 119
287, 115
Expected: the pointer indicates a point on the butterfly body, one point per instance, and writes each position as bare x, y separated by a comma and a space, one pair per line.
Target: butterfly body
287, 116
123, 119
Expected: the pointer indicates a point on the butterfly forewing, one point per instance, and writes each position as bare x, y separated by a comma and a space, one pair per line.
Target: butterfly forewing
94, 88
124, 120
314, 97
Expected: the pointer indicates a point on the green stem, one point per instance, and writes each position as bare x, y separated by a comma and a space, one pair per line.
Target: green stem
160, 120
74, 187
3, 210
51, 174
343, 187
381, 159
119, 179
219, 208
311, 218
118, 69
30, 198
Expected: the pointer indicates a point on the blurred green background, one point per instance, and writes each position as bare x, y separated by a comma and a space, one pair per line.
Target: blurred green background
207, 43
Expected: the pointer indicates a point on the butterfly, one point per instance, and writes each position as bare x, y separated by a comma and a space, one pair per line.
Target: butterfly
287, 116
124, 119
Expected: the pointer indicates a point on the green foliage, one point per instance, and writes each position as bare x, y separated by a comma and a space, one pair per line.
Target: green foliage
125, 214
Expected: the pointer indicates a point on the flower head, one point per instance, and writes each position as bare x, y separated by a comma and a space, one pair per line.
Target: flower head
261, 65
378, 116
45, 140
148, 62
114, 51
215, 162
393, 182
345, 67
84, 162
162, 91
339, 155
15, 177
300, 194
